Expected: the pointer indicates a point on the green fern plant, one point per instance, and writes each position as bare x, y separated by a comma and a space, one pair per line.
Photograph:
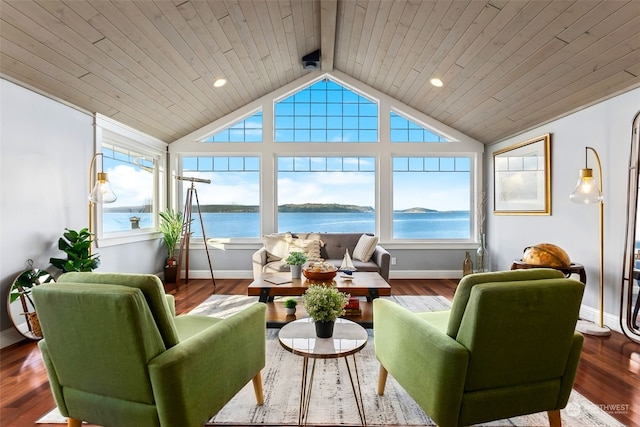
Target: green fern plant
171, 223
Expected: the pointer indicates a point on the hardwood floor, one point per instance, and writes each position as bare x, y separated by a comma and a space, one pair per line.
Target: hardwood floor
608, 374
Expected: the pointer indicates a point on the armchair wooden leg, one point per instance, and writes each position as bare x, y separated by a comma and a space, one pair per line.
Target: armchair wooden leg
554, 418
73, 422
257, 388
382, 380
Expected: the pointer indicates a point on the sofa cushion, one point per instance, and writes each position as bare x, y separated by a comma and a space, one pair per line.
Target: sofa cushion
277, 245
334, 244
310, 247
365, 247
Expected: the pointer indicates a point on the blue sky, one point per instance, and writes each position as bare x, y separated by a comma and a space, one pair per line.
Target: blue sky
325, 111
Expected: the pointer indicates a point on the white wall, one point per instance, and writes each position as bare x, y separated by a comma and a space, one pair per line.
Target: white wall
45, 150
607, 128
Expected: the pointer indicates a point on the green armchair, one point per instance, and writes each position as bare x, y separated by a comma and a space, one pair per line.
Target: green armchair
507, 347
116, 355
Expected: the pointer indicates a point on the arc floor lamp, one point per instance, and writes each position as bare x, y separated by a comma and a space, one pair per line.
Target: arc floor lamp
587, 192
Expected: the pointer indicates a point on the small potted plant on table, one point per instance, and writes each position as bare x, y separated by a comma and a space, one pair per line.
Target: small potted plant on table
295, 260
324, 303
290, 306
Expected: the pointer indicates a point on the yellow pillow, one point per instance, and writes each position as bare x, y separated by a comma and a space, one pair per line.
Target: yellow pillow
310, 247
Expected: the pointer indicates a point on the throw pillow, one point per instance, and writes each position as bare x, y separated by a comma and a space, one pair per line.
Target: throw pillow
310, 247
365, 247
277, 245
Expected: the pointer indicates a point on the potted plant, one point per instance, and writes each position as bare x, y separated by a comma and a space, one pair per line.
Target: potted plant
290, 306
77, 246
324, 303
295, 260
171, 224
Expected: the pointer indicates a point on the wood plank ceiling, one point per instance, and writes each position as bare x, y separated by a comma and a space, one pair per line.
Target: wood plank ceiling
507, 65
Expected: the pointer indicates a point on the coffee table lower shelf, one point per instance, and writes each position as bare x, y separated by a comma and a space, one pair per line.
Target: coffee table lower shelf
277, 317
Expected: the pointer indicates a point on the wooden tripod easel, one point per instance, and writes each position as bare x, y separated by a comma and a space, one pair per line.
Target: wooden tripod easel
185, 237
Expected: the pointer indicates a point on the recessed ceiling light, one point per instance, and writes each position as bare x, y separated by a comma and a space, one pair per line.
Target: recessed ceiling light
437, 82
220, 82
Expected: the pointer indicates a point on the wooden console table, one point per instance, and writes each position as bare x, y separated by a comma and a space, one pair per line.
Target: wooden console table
574, 268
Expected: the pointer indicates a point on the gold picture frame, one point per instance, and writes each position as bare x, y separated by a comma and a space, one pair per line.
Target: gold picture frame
522, 178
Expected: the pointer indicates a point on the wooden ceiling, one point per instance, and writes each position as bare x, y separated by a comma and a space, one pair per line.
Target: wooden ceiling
507, 65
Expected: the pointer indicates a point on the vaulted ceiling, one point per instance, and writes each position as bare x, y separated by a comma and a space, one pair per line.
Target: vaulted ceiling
507, 65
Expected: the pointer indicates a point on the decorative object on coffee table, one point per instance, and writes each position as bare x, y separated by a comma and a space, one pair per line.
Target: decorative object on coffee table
295, 261
324, 303
320, 272
290, 306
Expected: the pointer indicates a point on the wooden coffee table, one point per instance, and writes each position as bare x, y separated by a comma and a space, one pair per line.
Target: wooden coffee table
364, 284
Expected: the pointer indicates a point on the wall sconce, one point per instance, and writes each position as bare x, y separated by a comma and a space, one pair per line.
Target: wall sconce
588, 191
101, 191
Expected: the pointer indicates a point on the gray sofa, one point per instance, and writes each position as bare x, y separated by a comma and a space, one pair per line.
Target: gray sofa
332, 249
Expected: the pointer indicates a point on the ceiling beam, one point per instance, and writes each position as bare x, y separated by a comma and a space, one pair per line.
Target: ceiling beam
328, 15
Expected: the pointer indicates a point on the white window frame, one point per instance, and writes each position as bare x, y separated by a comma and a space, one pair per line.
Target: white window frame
383, 151
110, 132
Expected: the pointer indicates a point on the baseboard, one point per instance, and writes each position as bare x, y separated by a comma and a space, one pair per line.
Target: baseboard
9, 337
393, 274
592, 314
425, 274
220, 274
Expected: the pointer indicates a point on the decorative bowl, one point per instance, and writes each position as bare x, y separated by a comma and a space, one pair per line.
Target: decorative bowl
319, 276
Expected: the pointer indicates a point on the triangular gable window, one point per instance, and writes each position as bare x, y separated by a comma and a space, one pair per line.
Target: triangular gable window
326, 112
404, 130
248, 130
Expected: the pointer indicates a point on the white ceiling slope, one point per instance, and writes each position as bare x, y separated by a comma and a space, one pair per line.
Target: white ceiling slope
507, 65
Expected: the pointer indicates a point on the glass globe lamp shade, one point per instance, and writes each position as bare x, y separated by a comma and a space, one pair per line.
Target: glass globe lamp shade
586, 190
102, 192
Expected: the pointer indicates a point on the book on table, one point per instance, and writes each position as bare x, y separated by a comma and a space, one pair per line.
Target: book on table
276, 280
353, 307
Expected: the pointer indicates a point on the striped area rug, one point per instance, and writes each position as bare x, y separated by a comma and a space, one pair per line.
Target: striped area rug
332, 401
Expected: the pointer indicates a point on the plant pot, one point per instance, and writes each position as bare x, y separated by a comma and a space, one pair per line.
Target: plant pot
290, 311
296, 271
170, 273
324, 329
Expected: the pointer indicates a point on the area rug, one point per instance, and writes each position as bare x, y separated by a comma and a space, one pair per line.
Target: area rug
332, 401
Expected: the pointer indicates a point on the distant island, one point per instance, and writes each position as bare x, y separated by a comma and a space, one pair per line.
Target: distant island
323, 207
416, 210
289, 207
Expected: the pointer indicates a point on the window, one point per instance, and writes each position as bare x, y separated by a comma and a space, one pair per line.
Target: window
324, 168
404, 130
248, 130
441, 208
133, 177
326, 112
230, 205
326, 194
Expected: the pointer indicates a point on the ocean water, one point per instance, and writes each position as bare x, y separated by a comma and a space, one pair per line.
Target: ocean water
431, 225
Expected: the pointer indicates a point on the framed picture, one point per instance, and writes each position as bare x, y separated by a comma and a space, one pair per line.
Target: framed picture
522, 178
